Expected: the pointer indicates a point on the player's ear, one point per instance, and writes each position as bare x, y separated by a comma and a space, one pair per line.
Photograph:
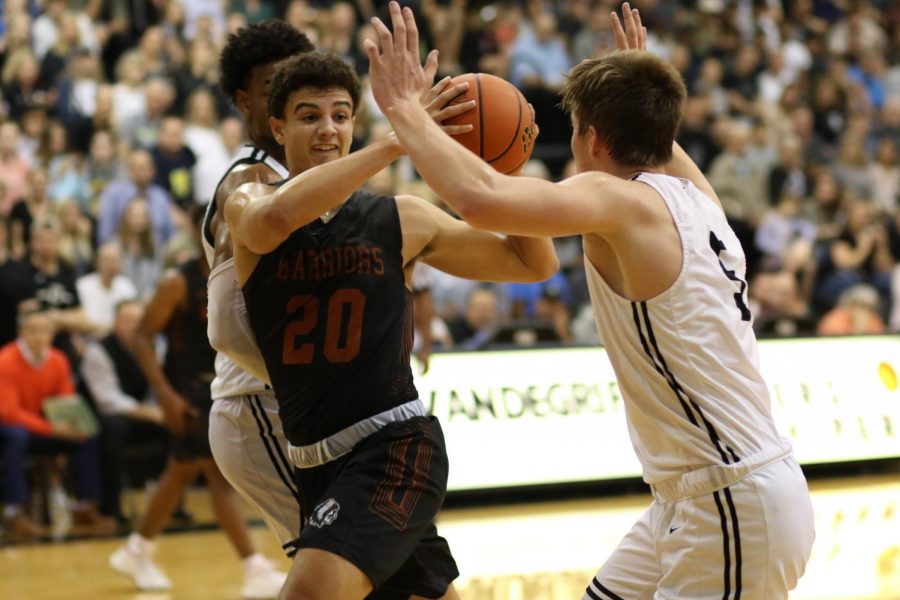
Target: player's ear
595, 143
242, 102
277, 126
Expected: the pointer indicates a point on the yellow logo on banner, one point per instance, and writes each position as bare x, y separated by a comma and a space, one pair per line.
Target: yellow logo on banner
888, 376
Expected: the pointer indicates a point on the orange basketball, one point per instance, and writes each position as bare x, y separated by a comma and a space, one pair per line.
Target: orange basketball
503, 124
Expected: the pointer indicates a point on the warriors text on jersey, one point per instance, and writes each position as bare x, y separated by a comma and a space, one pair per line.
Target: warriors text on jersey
332, 317
687, 360
229, 327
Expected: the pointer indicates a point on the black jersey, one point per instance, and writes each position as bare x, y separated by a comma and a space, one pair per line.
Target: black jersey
189, 355
331, 313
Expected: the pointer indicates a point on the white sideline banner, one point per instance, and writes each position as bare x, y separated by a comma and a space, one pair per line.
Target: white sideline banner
545, 416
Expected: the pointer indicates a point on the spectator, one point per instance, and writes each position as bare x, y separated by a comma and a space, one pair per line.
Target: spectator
142, 257
202, 137
76, 247
143, 131
477, 325
138, 184
174, 162
121, 396
852, 170
103, 165
76, 106
740, 183
788, 176
129, 94
25, 212
861, 254
13, 167
884, 173
22, 87
104, 290
31, 371
856, 313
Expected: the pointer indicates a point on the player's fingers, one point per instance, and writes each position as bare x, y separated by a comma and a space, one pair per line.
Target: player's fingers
384, 36
431, 65
639, 30
616, 25
398, 25
630, 33
452, 92
371, 49
457, 129
435, 90
452, 110
412, 31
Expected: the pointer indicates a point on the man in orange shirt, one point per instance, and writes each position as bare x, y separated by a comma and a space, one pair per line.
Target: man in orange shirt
31, 371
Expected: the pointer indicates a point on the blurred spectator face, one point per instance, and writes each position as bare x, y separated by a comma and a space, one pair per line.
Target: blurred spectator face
103, 110
790, 154
886, 154
34, 122
132, 70
19, 33
9, 138
747, 60
37, 331
109, 261
481, 308
300, 15
37, 183
853, 151
711, 71
136, 219
26, 74
45, 242
153, 42
890, 113
128, 318
55, 8
102, 149
826, 191
343, 18
203, 55
70, 217
738, 137
201, 109
160, 96
544, 27
696, 110
171, 135
859, 215
68, 30
140, 168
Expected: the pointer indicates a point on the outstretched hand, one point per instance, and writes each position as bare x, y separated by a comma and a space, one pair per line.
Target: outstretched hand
633, 36
395, 74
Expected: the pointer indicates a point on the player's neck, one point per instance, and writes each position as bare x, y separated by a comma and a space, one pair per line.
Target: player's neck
272, 148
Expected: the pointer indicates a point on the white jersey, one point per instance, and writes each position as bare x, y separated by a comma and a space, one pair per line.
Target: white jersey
228, 327
687, 360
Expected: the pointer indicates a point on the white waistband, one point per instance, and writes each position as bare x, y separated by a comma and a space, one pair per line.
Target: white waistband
709, 479
342, 442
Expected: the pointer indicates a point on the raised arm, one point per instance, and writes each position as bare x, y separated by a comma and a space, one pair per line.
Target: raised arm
260, 219
456, 248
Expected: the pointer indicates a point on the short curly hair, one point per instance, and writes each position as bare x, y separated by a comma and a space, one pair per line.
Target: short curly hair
255, 45
318, 70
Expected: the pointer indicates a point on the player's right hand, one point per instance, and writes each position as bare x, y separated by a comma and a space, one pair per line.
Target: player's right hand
633, 36
175, 411
437, 101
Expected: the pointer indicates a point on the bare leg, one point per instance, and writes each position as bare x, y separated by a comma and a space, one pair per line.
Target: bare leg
175, 478
319, 575
227, 507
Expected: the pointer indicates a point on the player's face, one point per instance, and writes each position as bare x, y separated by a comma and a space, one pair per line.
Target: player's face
317, 127
253, 102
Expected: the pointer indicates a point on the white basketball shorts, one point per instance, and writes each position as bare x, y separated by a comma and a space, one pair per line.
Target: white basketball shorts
750, 540
249, 447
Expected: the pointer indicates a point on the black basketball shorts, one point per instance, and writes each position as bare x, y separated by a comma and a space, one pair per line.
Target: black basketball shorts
194, 443
376, 506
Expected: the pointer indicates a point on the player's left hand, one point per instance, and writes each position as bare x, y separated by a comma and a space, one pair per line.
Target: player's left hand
633, 36
437, 101
395, 74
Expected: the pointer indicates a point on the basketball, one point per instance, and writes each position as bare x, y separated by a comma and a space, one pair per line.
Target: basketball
503, 123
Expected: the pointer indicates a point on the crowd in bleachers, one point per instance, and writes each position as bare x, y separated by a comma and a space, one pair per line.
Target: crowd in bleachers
113, 126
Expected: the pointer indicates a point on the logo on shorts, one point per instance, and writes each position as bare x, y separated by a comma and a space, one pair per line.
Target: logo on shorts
325, 513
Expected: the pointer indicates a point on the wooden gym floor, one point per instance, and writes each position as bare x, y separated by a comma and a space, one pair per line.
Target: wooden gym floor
544, 551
